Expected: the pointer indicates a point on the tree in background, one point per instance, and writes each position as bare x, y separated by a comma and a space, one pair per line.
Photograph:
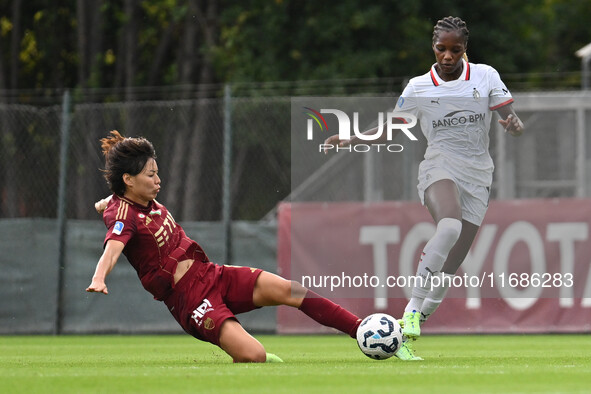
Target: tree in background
356, 39
119, 44
136, 50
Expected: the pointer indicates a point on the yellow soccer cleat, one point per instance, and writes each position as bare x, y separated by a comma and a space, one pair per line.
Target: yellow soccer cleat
272, 358
411, 327
407, 352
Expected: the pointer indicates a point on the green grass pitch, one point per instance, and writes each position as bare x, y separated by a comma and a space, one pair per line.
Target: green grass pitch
313, 364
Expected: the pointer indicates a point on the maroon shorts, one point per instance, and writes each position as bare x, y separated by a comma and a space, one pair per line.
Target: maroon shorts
208, 294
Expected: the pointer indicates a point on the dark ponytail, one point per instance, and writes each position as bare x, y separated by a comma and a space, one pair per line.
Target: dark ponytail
124, 156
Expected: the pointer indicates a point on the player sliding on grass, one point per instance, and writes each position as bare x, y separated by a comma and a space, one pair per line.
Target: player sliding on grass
203, 297
453, 102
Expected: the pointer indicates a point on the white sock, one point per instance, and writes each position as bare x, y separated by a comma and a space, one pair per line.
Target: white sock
435, 296
432, 259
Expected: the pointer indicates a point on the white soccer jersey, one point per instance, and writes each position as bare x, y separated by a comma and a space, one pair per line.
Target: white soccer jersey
455, 118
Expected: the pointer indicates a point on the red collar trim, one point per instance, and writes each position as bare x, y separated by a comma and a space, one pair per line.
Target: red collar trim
433, 76
438, 81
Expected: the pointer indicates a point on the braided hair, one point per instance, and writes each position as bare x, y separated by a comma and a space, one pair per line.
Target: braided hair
450, 23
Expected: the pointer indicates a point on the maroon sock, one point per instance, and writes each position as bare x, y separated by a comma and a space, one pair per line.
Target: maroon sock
329, 314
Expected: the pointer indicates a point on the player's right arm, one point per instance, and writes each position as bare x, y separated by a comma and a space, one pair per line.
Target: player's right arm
104, 266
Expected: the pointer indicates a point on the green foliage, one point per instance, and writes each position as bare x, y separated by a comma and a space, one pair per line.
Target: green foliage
316, 41
323, 40
261, 40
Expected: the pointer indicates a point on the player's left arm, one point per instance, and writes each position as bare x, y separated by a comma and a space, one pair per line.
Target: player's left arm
502, 102
510, 121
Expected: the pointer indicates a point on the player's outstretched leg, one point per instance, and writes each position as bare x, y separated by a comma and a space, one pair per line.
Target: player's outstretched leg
271, 289
327, 313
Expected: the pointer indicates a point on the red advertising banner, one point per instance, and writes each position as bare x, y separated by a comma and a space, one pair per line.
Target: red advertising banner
528, 270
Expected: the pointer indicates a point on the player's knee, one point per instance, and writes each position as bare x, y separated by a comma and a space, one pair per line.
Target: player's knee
449, 230
248, 350
297, 290
240, 345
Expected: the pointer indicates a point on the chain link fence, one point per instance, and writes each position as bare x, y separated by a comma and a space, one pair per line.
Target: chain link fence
551, 159
188, 136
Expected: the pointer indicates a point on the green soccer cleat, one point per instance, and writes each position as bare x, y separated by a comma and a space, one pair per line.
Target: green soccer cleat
407, 352
411, 327
271, 358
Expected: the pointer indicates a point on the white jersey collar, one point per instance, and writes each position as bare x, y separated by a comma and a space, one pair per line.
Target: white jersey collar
465, 76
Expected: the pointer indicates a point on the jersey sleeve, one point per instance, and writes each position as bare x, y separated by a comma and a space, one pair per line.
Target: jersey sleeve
407, 102
121, 225
499, 95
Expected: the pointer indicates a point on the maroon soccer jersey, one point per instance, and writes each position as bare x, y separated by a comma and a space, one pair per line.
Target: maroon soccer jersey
154, 242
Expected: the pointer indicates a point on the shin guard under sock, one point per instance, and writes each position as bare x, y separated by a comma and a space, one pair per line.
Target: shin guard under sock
330, 314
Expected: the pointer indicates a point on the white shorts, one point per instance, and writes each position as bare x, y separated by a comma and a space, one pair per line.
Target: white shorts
473, 198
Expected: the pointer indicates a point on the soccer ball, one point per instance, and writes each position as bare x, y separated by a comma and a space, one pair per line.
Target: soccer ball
379, 336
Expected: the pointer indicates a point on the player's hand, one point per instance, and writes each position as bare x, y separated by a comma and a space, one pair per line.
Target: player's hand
97, 286
512, 125
334, 140
101, 205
